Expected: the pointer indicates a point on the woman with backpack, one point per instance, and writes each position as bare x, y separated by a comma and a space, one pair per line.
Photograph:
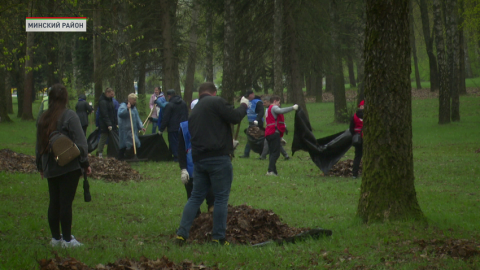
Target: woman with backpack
62, 180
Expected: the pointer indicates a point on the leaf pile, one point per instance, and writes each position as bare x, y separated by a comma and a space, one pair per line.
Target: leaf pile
11, 161
344, 168
477, 151
112, 170
122, 264
245, 225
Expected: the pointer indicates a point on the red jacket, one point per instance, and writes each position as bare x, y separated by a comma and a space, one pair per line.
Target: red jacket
358, 122
274, 124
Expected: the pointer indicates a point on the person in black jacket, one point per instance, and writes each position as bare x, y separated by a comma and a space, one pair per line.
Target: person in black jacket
212, 148
83, 109
175, 112
107, 118
62, 180
356, 126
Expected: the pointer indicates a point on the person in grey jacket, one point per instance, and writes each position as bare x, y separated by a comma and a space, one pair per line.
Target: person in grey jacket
83, 109
62, 180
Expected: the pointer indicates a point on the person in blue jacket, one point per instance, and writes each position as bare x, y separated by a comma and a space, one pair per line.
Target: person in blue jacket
125, 140
160, 102
186, 165
255, 112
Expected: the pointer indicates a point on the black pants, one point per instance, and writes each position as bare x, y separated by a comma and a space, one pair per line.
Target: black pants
62, 192
274, 147
357, 159
85, 129
210, 197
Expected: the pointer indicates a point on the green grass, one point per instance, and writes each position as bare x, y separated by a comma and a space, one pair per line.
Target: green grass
132, 219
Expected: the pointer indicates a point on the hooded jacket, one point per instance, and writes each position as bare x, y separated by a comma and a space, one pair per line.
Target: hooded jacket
175, 112
83, 109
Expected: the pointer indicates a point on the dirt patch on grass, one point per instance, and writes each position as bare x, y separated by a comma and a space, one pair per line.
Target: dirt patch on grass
109, 169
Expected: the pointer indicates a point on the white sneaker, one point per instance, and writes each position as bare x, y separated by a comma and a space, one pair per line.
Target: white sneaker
56, 243
271, 173
73, 243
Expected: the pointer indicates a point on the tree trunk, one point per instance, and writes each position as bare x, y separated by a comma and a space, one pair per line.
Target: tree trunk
277, 49
463, 53
351, 71
8, 93
168, 57
413, 46
228, 82
329, 78
318, 86
308, 84
209, 44
75, 72
434, 72
3, 98
192, 55
294, 64
468, 66
340, 101
388, 189
51, 52
123, 69
97, 54
454, 56
27, 97
444, 92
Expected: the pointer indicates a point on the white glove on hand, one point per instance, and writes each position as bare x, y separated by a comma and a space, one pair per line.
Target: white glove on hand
235, 144
185, 177
255, 123
244, 100
109, 127
295, 107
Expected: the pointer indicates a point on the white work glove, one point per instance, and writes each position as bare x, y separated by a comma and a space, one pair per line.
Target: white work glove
184, 176
244, 100
109, 127
295, 107
255, 123
235, 144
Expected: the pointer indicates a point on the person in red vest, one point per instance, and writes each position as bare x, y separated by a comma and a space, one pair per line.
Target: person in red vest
274, 130
356, 126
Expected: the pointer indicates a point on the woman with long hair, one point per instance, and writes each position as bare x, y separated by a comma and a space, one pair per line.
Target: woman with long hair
62, 180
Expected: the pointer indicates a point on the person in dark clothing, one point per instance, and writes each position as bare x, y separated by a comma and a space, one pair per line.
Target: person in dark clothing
83, 109
255, 112
186, 165
356, 126
62, 180
175, 112
212, 147
107, 119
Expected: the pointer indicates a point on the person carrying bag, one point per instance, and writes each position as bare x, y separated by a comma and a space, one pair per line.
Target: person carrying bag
356, 128
61, 155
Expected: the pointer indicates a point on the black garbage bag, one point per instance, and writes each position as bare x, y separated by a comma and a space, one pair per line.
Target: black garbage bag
153, 148
255, 137
92, 140
325, 152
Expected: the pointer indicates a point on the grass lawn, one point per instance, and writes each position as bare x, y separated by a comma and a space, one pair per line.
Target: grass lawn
134, 219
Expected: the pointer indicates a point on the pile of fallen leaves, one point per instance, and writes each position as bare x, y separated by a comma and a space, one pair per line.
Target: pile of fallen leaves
122, 264
11, 161
245, 225
456, 248
477, 151
344, 168
110, 169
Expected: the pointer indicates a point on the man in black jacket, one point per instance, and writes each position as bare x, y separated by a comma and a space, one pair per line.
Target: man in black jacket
175, 112
212, 147
108, 118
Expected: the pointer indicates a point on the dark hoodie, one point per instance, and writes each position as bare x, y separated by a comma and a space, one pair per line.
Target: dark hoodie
108, 115
83, 109
175, 112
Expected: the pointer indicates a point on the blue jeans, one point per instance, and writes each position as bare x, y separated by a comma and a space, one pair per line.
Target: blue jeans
217, 173
154, 127
173, 143
246, 152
